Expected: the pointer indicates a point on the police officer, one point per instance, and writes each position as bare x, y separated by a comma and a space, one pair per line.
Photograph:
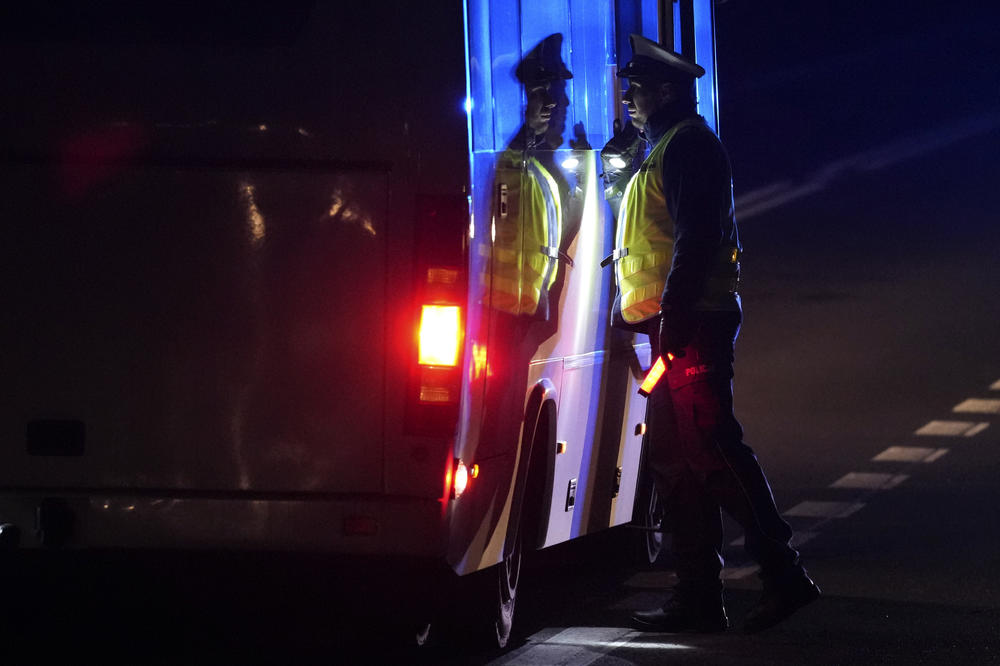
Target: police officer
676, 263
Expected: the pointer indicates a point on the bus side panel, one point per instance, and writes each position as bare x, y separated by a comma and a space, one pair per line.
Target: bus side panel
575, 426
630, 445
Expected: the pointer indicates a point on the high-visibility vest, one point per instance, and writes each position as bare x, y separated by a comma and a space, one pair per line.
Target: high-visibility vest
527, 219
644, 243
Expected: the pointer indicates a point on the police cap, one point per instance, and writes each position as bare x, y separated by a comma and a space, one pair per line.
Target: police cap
543, 63
649, 59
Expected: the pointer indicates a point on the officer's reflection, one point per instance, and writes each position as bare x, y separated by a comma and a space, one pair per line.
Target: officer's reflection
536, 213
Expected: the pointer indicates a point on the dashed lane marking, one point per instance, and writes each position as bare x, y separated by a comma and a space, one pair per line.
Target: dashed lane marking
869, 481
912, 454
814, 509
952, 429
995, 386
977, 429
934, 456
978, 406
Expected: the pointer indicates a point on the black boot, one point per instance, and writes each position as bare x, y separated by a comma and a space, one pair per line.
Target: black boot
782, 596
699, 610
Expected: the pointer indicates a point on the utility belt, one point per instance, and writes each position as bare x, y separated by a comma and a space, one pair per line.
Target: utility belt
725, 276
724, 280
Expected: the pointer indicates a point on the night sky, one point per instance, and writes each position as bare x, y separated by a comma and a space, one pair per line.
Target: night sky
802, 84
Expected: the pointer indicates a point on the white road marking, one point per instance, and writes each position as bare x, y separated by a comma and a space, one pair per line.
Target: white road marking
979, 427
579, 646
934, 456
869, 481
814, 509
952, 429
996, 385
978, 406
912, 454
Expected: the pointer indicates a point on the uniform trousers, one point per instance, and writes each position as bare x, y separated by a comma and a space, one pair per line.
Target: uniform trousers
700, 463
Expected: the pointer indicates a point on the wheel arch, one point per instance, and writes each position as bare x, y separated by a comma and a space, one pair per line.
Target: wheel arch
536, 465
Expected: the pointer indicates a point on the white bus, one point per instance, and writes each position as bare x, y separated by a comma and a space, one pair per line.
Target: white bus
272, 278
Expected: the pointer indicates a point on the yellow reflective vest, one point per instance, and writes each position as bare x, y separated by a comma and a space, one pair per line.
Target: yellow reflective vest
527, 227
644, 244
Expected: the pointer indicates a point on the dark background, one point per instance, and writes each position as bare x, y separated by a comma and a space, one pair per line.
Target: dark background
805, 83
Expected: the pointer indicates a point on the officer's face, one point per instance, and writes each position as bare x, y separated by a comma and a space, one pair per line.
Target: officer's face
540, 104
644, 98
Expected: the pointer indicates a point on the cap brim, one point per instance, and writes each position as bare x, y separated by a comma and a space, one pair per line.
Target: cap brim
651, 59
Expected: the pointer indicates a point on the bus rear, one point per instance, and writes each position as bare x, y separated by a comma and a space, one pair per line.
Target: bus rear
212, 258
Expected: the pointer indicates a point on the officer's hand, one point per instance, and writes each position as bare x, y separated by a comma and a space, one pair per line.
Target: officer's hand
677, 330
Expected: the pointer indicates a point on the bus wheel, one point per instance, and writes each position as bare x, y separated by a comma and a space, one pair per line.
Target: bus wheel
648, 517
509, 573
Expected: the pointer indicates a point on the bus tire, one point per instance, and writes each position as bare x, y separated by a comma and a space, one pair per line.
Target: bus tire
648, 518
481, 615
527, 532
648, 514
508, 577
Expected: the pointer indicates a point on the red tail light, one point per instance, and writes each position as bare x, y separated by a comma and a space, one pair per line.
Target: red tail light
436, 318
440, 335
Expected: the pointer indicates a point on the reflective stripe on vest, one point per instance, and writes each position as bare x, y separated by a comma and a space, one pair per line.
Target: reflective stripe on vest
644, 244
528, 232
